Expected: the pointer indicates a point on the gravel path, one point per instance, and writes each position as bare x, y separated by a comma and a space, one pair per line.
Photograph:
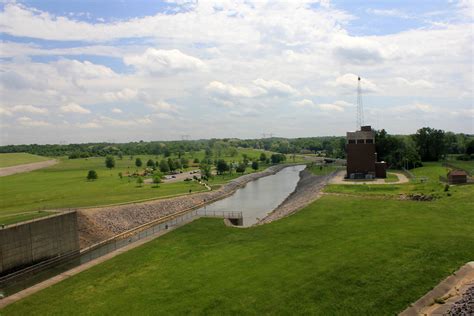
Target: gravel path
307, 190
26, 167
465, 306
97, 224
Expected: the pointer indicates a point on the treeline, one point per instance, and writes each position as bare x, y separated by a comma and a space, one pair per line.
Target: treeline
427, 144
330, 146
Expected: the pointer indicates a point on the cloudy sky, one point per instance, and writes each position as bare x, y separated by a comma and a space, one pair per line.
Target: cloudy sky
80, 71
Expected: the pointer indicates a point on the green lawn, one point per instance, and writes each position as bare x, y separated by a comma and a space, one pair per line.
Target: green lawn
8, 160
391, 177
430, 171
339, 256
65, 186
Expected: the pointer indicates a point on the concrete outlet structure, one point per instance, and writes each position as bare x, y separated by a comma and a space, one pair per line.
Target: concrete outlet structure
361, 156
33, 241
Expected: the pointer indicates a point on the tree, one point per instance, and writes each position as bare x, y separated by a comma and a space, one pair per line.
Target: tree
470, 147
263, 157
430, 143
241, 167
184, 163
277, 158
222, 166
157, 178
92, 175
140, 181
245, 158
205, 170
255, 165
164, 167
109, 162
150, 163
120, 155
171, 164
138, 162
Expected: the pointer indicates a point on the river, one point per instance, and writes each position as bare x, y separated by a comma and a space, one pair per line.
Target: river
259, 197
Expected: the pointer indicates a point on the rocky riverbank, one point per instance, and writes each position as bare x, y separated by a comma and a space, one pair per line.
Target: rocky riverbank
307, 190
97, 224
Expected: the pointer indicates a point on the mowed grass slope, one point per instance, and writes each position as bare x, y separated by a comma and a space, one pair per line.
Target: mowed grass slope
341, 255
14, 159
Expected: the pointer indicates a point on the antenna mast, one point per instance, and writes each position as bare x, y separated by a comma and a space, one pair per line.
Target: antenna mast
360, 107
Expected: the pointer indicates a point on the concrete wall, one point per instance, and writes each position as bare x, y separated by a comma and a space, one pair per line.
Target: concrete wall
33, 241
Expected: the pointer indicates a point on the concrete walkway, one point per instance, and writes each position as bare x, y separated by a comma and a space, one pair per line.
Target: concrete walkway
7, 171
339, 179
67, 274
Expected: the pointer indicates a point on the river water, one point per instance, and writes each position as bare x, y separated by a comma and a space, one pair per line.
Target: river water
259, 197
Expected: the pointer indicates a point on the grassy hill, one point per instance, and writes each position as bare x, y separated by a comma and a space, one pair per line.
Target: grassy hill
351, 254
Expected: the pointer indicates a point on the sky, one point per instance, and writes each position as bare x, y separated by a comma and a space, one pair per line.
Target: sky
128, 70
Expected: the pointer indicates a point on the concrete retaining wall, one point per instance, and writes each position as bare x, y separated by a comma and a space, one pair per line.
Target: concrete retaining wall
33, 241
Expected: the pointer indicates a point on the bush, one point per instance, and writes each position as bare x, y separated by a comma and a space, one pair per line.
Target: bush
92, 175
446, 187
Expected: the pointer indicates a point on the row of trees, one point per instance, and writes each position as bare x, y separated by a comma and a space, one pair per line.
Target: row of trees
427, 144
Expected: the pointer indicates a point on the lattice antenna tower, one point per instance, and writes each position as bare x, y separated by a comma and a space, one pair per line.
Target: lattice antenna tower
360, 106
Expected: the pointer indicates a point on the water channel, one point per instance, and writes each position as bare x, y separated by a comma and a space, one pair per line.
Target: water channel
261, 196
255, 201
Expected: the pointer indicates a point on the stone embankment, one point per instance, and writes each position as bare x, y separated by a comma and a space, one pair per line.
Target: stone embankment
307, 190
97, 224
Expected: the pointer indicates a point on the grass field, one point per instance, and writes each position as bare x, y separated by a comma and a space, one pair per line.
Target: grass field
65, 186
391, 177
341, 255
8, 160
465, 165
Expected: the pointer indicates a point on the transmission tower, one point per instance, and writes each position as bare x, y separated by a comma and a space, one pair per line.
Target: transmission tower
360, 106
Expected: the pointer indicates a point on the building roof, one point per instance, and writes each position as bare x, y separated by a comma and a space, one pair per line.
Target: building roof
457, 173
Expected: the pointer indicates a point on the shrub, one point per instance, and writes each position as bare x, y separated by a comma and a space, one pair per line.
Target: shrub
446, 187
92, 175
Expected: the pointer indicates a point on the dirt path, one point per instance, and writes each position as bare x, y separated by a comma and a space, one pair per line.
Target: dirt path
7, 171
97, 224
339, 179
307, 190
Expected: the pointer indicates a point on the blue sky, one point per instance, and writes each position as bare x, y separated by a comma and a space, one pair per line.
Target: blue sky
79, 71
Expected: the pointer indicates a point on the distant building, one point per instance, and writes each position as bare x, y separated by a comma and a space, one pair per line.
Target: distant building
457, 176
361, 156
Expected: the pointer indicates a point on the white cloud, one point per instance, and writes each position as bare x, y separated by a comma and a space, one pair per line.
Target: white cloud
29, 109
305, 103
159, 61
74, 108
331, 107
88, 125
27, 121
229, 90
5, 112
275, 87
163, 106
122, 95
348, 82
389, 12
117, 110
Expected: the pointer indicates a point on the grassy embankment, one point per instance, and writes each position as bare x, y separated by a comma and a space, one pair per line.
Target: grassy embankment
14, 159
341, 255
26, 196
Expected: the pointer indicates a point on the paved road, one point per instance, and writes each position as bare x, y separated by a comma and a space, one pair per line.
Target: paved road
26, 167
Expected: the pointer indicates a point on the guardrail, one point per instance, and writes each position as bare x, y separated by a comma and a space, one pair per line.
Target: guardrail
220, 214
